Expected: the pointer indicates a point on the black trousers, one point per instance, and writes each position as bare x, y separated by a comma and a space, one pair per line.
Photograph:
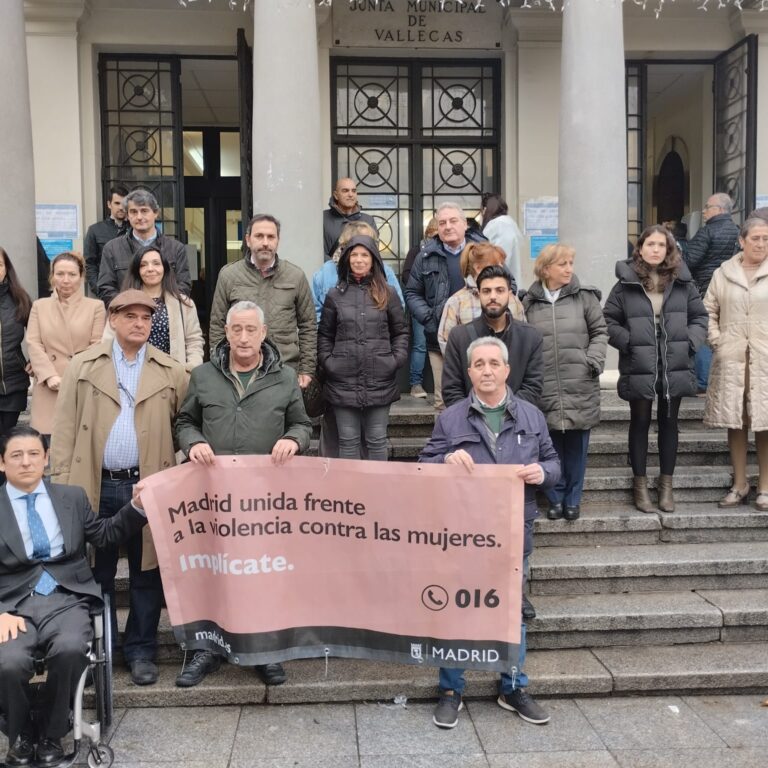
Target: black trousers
145, 588
59, 625
639, 426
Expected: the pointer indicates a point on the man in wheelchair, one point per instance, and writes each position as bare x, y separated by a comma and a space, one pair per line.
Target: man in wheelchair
46, 592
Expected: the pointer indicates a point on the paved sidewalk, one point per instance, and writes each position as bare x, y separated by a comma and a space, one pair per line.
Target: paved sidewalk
648, 732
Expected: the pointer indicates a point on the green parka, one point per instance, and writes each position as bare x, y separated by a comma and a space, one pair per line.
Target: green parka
575, 343
235, 420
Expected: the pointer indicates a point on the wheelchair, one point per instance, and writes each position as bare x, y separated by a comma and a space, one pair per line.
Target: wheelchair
99, 671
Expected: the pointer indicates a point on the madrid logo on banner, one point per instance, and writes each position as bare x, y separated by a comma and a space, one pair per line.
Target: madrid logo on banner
399, 562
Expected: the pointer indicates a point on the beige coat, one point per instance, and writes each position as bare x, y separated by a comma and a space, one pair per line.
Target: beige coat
88, 406
738, 322
56, 332
184, 329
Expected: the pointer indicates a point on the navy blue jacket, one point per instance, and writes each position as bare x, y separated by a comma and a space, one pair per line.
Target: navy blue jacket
524, 439
429, 285
713, 244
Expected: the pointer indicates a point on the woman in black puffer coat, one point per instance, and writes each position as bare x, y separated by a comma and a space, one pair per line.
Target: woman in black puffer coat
362, 341
570, 320
657, 321
15, 306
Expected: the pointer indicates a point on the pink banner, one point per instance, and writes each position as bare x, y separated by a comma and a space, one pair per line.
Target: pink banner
415, 563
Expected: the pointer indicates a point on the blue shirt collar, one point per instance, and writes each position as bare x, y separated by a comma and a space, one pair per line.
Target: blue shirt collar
456, 250
14, 493
119, 355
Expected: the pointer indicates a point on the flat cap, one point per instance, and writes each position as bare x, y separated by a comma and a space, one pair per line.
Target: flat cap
131, 298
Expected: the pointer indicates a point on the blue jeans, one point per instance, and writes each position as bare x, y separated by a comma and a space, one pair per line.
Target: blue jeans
571, 447
145, 587
453, 679
703, 361
418, 351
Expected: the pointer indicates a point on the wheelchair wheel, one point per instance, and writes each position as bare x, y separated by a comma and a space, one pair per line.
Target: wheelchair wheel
100, 756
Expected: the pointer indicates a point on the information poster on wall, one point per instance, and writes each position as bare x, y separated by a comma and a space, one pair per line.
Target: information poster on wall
540, 216
538, 242
57, 222
55, 247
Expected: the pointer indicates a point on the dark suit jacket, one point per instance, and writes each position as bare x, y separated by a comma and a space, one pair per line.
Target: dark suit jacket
19, 574
526, 363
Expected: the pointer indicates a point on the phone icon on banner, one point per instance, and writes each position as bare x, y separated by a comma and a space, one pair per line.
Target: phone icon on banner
434, 597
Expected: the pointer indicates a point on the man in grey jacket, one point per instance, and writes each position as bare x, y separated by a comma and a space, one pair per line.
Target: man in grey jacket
244, 401
343, 209
142, 209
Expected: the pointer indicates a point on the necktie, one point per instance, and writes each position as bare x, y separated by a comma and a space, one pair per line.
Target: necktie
41, 545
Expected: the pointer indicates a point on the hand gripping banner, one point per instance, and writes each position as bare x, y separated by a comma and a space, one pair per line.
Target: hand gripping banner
399, 562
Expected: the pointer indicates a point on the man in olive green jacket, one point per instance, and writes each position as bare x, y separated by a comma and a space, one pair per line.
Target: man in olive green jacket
279, 288
244, 401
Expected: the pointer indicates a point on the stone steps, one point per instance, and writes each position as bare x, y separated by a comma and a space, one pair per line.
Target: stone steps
699, 483
586, 621
649, 618
707, 667
411, 417
619, 524
649, 568
609, 449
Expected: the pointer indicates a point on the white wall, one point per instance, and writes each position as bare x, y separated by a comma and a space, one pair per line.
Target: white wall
54, 101
538, 116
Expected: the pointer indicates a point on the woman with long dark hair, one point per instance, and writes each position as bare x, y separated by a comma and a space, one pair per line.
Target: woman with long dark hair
15, 306
175, 325
59, 327
657, 321
362, 341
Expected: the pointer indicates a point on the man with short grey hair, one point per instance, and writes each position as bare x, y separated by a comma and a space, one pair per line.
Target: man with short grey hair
435, 277
715, 242
142, 209
494, 426
244, 401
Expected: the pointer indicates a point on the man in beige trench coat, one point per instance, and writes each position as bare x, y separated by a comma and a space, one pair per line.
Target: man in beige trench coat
113, 426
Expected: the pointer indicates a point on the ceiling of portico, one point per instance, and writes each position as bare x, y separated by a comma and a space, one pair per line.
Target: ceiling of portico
670, 84
209, 92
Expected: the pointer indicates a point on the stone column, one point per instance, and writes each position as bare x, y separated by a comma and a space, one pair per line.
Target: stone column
287, 163
592, 171
17, 170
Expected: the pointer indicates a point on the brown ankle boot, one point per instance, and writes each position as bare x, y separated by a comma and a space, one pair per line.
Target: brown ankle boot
642, 497
666, 498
